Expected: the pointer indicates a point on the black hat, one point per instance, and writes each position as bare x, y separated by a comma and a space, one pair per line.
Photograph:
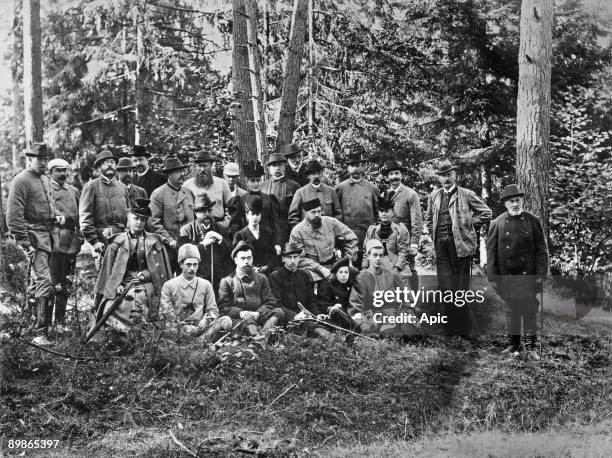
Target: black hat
172, 164
104, 154
308, 205
125, 163
344, 262
511, 191
385, 204
204, 156
290, 248
313, 167
241, 246
139, 151
393, 165
354, 158
203, 202
254, 204
141, 208
291, 149
276, 158
445, 166
253, 170
37, 150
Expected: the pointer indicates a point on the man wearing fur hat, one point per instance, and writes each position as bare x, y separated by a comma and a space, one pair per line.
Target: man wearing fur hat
125, 172
146, 178
517, 263
188, 302
137, 260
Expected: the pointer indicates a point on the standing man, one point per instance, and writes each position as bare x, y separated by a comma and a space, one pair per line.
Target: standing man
315, 189
32, 218
295, 160
358, 201
452, 214
145, 177
103, 205
63, 260
282, 188
517, 257
231, 173
407, 210
125, 172
171, 207
204, 182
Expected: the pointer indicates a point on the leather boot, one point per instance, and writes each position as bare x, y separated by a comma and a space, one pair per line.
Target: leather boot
514, 346
43, 317
60, 313
532, 346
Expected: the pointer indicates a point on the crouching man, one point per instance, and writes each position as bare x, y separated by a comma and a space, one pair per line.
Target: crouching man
188, 302
245, 294
138, 261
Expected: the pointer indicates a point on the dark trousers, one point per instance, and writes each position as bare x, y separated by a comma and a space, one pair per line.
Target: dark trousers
454, 274
525, 308
62, 266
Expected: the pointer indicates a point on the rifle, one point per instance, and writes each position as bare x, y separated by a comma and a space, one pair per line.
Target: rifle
116, 303
311, 317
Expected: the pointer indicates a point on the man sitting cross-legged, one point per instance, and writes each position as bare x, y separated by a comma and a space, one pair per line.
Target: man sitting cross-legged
245, 294
188, 302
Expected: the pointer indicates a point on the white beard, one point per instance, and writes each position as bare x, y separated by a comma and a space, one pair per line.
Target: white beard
515, 212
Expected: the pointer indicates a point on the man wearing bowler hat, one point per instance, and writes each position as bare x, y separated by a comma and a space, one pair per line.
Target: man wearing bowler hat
231, 173
33, 219
315, 189
103, 204
517, 263
283, 188
217, 189
125, 172
295, 160
452, 214
171, 207
145, 177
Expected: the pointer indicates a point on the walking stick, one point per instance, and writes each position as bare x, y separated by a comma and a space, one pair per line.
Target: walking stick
228, 333
541, 320
312, 317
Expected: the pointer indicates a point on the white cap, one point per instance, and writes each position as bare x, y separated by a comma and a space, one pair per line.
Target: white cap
60, 163
231, 169
373, 243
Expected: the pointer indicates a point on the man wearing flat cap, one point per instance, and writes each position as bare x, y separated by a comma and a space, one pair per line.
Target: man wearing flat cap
137, 260
315, 189
517, 263
318, 236
453, 213
171, 207
295, 161
125, 172
217, 189
231, 173
145, 177
282, 188
103, 204
63, 260
33, 219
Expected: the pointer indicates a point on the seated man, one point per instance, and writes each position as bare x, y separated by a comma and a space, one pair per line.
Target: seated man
136, 260
318, 237
291, 285
334, 294
188, 302
245, 294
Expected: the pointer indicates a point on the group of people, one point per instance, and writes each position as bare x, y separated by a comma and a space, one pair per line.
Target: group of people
204, 256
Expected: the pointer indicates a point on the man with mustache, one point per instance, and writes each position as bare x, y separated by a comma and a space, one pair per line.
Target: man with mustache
145, 177
295, 161
217, 189
282, 188
517, 263
125, 172
103, 205
315, 189
63, 260
452, 214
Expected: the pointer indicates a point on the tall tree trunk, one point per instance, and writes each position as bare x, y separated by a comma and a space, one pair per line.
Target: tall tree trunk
291, 81
124, 89
244, 128
255, 77
266, 50
16, 80
533, 105
32, 78
311, 64
142, 99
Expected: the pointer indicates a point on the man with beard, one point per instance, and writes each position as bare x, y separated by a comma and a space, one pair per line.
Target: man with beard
125, 172
517, 257
32, 219
270, 214
452, 214
211, 240
315, 189
231, 173
282, 188
171, 207
407, 210
318, 237
216, 188
295, 160
103, 204
63, 260
145, 177
358, 200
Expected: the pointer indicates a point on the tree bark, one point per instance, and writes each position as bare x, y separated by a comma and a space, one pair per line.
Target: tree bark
291, 81
311, 64
533, 106
244, 128
32, 78
16, 80
142, 99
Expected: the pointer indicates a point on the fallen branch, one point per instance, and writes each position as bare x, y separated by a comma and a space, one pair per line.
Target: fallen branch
282, 394
61, 355
180, 444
